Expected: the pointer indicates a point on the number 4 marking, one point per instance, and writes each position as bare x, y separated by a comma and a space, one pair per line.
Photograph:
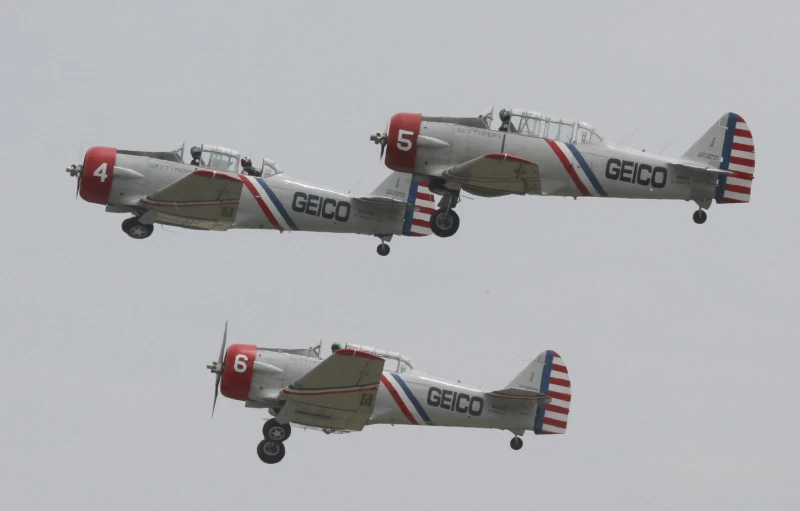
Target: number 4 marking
404, 144
101, 172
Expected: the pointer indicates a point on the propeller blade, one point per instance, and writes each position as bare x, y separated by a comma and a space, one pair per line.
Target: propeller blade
224, 340
78, 175
219, 368
216, 393
383, 146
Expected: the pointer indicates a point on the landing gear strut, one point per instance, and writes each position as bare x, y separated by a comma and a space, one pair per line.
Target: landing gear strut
135, 229
383, 248
444, 221
516, 443
271, 449
700, 216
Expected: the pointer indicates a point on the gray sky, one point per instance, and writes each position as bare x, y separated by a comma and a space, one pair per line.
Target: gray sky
681, 340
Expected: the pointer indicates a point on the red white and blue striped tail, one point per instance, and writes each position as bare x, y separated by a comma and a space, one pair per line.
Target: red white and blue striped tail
421, 201
551, 417
547, 375
739, 159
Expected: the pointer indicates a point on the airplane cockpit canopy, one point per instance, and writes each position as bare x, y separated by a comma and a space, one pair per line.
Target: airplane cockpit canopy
311, 352
220, 158
270, 168
535, 124
394, 362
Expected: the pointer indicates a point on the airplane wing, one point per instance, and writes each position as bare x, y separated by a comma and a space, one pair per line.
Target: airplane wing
205, 199
497, 174
339, 393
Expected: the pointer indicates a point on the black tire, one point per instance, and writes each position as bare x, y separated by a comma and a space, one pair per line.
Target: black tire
270, 452
444, 225
516, 443
383, 250
275, 431
126, 224
136, 230
700, 216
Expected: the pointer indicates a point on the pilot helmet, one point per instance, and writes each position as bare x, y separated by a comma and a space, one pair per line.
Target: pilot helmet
505, 114
247, 162
194, 150
336, 347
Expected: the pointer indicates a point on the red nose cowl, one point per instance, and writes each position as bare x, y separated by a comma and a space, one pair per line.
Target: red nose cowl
98, 173
238, 371
401, 149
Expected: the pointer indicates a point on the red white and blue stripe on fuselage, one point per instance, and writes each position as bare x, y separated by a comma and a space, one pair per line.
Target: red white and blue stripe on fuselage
269, 203
594, 188
408, 403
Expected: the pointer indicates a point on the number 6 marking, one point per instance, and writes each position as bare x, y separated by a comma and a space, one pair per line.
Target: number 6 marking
240, 363
101, 172
404, 144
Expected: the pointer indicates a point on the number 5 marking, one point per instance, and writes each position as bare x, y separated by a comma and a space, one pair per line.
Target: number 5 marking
404, 144
101, 172
240, 363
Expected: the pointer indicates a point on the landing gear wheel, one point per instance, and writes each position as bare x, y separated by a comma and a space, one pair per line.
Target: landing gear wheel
137, 230
700, 216
271, 452
383, 249
516, 443
275, 431
444, 223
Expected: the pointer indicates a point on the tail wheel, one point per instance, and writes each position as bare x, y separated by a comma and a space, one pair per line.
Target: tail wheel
516, 443
271, 452
383, 249
700, 216
444, 223
275, 431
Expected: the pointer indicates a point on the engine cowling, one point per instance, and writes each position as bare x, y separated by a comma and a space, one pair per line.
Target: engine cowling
401, 147
237, 373
98, 174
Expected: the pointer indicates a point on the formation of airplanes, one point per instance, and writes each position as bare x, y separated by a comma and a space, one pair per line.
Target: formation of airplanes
358, 386
528, 153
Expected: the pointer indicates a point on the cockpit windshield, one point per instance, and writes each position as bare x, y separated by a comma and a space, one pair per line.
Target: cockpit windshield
394, 362
535, 124
220, 158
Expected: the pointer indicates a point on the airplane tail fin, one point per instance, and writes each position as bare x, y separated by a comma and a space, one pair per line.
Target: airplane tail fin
547, 375
401, 189
421, 207
728, 146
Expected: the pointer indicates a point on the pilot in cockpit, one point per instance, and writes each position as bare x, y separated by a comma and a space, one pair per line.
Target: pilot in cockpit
335, 347
195, 152
505, 120
248, 169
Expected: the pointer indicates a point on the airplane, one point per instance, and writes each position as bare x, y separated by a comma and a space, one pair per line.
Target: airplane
219, 194
536, 154
358, 386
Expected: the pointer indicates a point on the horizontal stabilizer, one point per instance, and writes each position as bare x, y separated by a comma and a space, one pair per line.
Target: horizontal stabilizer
383, 201
692, 167
517, 394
